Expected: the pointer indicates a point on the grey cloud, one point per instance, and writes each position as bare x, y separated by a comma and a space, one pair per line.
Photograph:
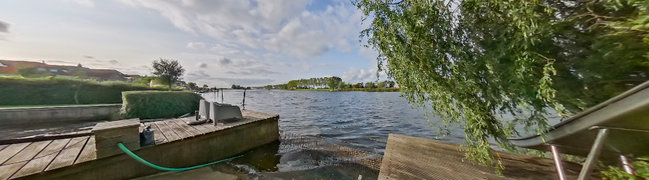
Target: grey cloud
112, 61
88, 57
202, 65
4, 27
245, 81
224, 61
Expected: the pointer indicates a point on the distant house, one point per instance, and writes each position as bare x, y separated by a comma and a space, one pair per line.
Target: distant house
12, 67
42, 69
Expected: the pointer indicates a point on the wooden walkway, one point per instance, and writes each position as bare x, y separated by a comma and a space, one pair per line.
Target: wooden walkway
22, 159
416, 158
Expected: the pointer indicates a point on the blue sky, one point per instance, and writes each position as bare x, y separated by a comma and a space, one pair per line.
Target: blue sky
219, 43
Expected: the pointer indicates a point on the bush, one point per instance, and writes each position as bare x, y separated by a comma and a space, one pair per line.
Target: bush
158, 104
16, 90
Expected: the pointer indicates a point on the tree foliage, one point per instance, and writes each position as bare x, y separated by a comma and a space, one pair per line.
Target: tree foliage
476, 60
169, 70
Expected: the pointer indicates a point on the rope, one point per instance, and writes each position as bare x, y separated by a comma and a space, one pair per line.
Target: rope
145, 162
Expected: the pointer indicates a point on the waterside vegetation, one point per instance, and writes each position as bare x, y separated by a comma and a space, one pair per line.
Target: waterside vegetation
335, 84
471, 61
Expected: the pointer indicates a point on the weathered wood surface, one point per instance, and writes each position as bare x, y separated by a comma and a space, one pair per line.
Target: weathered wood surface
25, 159
416, 158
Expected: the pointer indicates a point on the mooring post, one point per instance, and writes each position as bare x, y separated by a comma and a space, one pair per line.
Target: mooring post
108, 134
243, 104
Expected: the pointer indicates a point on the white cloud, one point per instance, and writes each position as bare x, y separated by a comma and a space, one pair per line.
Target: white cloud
87, 3
359, 75
195, 45
280, 26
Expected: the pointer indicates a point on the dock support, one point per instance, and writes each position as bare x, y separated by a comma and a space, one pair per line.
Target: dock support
557, 162
108, 134
595, 150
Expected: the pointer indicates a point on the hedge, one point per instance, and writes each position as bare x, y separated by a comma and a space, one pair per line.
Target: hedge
158, 104
16, 90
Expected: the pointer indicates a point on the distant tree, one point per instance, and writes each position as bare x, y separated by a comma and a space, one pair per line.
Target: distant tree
341, 85
206, 86
381, 84
169, 70
370, 85
358, 85
192, 86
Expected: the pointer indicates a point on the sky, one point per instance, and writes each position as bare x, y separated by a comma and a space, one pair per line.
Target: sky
218, 42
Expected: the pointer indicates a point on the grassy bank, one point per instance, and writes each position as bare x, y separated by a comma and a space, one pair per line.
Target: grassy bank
20, 91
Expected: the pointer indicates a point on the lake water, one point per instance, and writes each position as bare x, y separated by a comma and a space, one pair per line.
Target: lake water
356, 121
355, 117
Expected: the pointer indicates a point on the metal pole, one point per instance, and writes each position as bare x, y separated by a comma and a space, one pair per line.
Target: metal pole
593, 155
626, 165
222, 95
557, 162
243, 104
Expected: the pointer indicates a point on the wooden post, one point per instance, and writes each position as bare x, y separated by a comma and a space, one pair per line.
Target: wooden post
108, 134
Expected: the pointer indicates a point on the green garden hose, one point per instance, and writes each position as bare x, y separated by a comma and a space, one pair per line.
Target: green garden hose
138, 158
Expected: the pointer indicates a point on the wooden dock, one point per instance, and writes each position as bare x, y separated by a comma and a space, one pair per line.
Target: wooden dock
416, 158
34, 158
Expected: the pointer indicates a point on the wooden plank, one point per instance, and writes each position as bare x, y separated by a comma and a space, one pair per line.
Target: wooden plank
7, 170
11, 150
191, 130
157, 133
179, 130
201, 127
69, 153
42, 159
417, 158
3, 146
28, 152
166, 130
88, 152
54, 148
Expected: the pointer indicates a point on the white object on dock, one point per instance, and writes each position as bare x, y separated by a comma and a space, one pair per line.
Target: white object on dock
224, 112
204, 109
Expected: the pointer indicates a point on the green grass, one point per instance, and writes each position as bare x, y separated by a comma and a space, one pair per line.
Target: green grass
20, 91
158, 104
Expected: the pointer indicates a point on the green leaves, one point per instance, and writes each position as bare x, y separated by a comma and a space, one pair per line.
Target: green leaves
472, 61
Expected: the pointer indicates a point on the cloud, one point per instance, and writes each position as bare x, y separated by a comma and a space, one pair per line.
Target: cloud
88, 57
4, 27
86, 3
195, 45
224, 61
202, 65
112, 61
362, 75
280, 26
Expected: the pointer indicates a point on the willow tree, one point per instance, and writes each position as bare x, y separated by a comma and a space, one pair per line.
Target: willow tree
473, 61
